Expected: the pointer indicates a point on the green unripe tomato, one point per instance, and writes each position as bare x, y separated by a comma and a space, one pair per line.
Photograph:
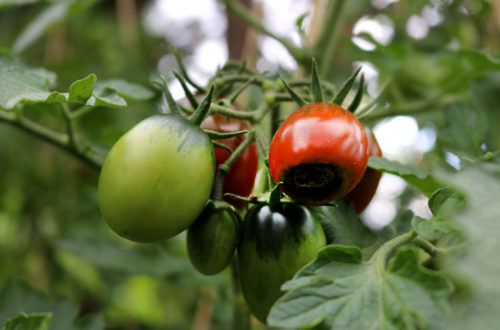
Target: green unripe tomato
275, 244
212, 238
156, 179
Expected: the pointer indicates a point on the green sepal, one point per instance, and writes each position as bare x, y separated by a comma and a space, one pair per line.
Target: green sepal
237, 92
192, 100
183, 70
202, 110
356, 101
316, 84
344, 90
162, 83
296, 97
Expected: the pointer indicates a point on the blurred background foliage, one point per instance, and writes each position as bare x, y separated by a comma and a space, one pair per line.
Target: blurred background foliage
55, 251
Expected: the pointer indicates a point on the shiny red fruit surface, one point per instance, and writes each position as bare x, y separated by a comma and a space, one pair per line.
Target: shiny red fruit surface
320, 153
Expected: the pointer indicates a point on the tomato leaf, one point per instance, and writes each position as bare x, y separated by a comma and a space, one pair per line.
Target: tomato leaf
18, 298
342, 225
18, 83
464, 131
81, 90
127, 90
35, 321
415, 176
343, 292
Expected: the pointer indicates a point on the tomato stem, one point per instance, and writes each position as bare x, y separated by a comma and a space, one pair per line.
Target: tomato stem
359, 95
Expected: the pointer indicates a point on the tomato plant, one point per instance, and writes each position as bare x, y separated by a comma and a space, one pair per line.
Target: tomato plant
75, 75
276, 242
363, 193
213, 237
141, 195
241, 176
319, 152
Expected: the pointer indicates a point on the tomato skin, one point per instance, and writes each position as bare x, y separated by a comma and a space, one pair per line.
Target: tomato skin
212, 238
319, 152
275, 244
156, 179
241, 176
363, 193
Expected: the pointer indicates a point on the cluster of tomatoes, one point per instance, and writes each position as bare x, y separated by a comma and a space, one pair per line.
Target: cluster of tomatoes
158, 178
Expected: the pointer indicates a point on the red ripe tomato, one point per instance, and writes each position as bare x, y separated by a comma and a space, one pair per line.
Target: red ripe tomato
319, 152
241, 176
363, 193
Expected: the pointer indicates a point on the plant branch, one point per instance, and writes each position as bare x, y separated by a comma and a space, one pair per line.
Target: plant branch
325, 45
59, 140
219, 109
301, 55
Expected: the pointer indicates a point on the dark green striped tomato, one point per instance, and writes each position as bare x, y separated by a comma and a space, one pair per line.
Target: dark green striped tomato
212, 238
156, 179
276, 243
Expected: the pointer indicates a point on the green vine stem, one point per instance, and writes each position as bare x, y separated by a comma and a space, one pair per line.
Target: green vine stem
222, 110
70, 129
62, 141
325, 45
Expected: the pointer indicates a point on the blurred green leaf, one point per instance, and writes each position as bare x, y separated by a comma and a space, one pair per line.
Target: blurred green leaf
127, 90
344, 292
342, 225
431, 229
81, 90
479, 184
18, 298
106, 97
415, 176
148, 259
9, 3
37, 321
18, 83
55, 13
464, 130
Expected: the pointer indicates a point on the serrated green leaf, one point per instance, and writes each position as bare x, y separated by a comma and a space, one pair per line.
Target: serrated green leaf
37, 27
81, 90
127, 90
18, 83
344, 292
342, 225
18, 298
415, 176
431, 229
35, 321
106, 97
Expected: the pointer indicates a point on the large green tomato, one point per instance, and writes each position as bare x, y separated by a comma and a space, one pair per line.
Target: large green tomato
156, 179
276, 243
